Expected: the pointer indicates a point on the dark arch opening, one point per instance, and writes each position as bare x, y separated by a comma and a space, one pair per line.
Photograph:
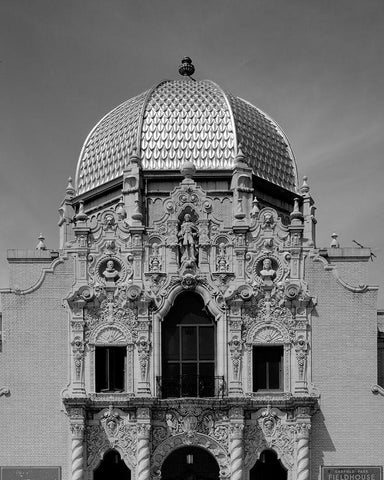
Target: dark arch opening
188, 349
268, 467
190, 463
112, 466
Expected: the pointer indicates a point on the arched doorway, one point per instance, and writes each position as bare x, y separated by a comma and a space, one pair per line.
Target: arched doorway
112, 467
190, 463
268, 467
188, 349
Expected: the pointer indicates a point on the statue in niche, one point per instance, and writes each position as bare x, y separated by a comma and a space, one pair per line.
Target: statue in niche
154, 262
110, 273
221, 262
267, 273
187, 238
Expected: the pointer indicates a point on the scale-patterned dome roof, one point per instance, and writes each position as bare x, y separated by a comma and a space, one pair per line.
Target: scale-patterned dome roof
185, 120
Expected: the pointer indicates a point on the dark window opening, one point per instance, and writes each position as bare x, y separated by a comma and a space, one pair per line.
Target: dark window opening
268, 368
110, 369
112, 466
190, 463
380, 359
188, 350
268, 467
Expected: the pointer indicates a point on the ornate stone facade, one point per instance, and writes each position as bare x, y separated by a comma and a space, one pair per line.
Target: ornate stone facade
129, 273
239, 241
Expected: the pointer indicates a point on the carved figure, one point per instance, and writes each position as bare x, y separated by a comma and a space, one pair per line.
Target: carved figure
187, 236
154, 263
221, 261
267, 273
110, 273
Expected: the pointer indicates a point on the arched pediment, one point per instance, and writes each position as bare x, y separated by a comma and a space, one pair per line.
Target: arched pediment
209, 301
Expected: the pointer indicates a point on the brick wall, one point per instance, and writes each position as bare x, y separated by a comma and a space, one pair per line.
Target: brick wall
348, 429
34, 365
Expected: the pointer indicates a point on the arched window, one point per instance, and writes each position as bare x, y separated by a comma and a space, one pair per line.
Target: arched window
112, 467
188, 349
190, 463
268, 467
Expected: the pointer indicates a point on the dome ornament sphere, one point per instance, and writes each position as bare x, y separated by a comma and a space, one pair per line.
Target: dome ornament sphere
186, 68
188, 170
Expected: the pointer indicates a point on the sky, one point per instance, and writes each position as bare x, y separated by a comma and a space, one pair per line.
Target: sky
315, 66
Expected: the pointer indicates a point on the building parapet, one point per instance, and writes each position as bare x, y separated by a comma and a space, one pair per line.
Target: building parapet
31, 256
346, 254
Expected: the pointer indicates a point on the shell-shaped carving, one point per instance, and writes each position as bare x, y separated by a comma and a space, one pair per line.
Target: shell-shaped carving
268, 335
111, 335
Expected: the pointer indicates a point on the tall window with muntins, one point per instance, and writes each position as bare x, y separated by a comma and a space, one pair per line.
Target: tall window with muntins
268, 368
110, 369
188, 349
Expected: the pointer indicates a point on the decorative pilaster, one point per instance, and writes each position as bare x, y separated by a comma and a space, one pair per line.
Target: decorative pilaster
235, 348
236, 443
302, 459
77, 443
78, 347
144, 348
143, 450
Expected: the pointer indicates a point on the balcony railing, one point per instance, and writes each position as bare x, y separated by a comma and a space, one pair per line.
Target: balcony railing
191, 386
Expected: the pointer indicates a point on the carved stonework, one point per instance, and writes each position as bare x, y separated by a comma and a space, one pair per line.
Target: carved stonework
270, 431
235, 348
114, 307
78, 355
190, 422
270, 311
143, 350
222, 263
301, 350
113, 430
155, 259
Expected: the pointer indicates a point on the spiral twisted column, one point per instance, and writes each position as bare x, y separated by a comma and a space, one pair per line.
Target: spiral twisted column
236, 450
302, 439
143, 452
77, 430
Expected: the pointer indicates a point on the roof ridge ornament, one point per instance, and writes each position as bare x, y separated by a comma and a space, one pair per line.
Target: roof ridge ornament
186, 69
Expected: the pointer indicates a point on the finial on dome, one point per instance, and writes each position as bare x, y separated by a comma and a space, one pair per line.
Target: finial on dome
41, 245
335, 242
304, 187
240, 157
186, 69
81, 216
255, 208
296, 214
70, 190
134, 157
188, 170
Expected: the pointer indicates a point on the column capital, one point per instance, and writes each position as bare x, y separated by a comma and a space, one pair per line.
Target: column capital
302, 430
77, 429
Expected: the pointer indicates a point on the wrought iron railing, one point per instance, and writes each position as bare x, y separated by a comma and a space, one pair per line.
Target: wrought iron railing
191, 386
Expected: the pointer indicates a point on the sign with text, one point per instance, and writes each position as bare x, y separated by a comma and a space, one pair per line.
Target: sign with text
351, 473
30, 473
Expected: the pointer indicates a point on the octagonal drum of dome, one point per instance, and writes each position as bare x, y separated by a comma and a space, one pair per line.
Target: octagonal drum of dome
185, 120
